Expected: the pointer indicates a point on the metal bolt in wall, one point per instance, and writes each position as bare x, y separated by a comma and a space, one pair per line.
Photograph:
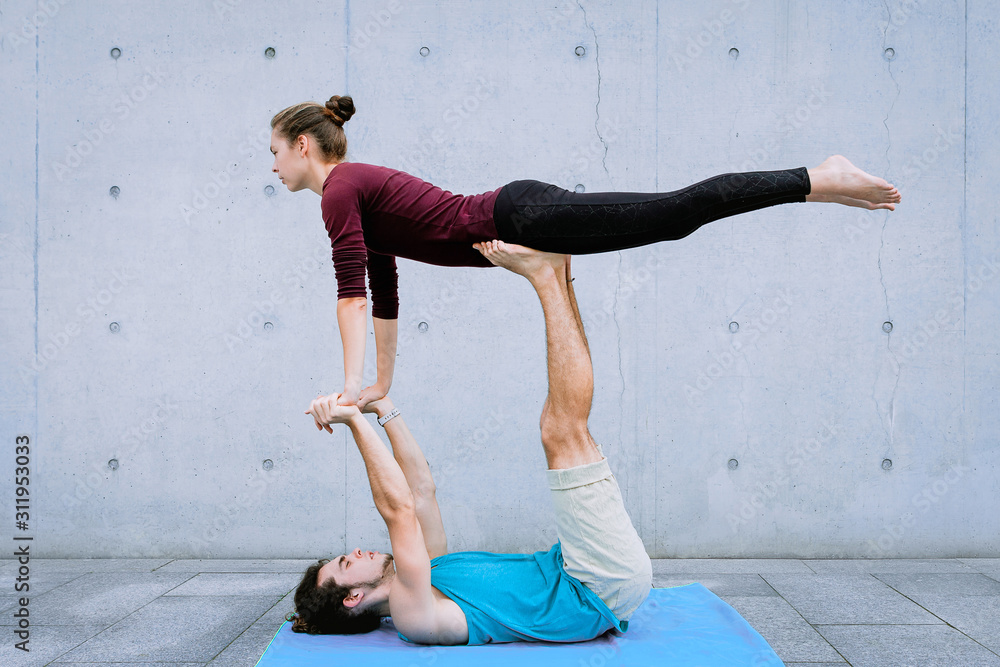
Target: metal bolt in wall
886, 464
581, 51
268, 326
422, 327
269, 190
733, 464
115, 191
113, 464
269, 52
424, 51
889, 54
268, 464
115, 327
116, 53
887, 327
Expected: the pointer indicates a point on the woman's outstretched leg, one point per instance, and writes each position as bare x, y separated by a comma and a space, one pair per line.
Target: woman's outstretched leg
549, 218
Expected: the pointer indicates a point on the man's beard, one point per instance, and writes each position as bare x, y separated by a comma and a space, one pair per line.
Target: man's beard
388, 572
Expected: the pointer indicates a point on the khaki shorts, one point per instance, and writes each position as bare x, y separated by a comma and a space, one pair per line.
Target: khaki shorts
599, 544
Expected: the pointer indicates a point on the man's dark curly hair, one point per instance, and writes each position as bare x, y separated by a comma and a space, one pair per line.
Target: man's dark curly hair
320, 610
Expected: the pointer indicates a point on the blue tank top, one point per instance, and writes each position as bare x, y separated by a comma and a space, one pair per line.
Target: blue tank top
521, 597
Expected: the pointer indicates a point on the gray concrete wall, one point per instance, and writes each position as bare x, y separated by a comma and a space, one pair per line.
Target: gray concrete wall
168, 308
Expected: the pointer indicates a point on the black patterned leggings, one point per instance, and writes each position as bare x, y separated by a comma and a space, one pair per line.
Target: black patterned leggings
549, 218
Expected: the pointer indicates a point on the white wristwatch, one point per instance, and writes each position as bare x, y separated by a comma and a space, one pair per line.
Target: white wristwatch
389, 415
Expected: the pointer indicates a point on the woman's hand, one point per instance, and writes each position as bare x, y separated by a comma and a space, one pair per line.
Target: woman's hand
349, 396
326, 410
380, 407
372, 393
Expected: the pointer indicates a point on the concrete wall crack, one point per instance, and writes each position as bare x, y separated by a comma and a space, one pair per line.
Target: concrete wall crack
597, 106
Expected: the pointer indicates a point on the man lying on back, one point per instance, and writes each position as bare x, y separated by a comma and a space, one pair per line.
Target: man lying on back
589, 582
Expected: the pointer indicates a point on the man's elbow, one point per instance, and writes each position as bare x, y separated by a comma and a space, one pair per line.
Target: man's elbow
401, 509
424, 491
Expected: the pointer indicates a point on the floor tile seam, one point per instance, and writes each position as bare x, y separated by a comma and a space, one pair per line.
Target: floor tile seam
246, 629
78, 645
804, 562
885, 625
172, 560
175, 587
55, 588
958, 630
88, 638
108, 627
229, 595
804, 619
920, 574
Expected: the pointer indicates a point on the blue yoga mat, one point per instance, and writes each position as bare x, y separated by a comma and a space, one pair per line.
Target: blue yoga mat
686, 625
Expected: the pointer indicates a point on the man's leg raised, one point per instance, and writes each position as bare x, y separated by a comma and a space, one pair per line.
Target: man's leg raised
600, 547
565, 436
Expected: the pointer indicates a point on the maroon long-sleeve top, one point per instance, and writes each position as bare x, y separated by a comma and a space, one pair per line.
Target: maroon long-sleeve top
374, 214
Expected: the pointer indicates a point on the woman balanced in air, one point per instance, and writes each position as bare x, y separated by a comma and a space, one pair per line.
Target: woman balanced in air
374, 214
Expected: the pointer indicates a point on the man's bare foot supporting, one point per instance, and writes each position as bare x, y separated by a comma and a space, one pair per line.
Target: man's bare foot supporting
840, 182
565, 436
532, 264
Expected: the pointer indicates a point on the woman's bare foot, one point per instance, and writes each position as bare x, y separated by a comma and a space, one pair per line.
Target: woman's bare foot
840, 182
527, 262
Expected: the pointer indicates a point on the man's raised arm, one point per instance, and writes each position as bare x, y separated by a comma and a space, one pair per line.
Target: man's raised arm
418, 476
415, 610
392, 495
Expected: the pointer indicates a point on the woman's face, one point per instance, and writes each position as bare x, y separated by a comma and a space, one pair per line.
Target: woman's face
289, 163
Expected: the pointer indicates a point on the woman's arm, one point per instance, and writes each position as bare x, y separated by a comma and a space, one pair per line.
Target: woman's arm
352, 318
386, 332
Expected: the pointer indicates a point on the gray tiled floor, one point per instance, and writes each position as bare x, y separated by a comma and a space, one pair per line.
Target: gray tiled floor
814, 613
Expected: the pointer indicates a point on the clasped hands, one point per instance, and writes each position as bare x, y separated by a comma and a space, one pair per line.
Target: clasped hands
326, 410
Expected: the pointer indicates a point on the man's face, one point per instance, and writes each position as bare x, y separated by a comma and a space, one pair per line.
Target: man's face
358, 569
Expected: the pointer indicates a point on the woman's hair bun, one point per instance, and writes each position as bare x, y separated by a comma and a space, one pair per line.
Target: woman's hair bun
341, 108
